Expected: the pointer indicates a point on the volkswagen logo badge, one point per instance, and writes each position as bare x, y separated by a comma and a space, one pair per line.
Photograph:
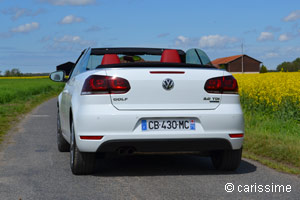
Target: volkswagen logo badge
168, 84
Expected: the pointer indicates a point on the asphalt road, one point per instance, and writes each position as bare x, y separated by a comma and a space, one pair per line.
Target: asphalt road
32, 168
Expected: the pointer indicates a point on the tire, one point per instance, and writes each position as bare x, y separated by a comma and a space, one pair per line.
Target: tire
227, 160
81, 163
62, 144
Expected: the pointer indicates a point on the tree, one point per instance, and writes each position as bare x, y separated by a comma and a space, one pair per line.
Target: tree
7, 73
289, 66
263, 69
13, 72
222, 66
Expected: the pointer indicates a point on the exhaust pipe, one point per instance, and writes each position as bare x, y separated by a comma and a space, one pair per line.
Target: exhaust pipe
130, 151
121, 151
126, 151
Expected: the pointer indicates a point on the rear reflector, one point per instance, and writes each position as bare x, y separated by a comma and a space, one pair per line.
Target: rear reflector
222, 85
166, 72
91, 137
98, 84
236, 135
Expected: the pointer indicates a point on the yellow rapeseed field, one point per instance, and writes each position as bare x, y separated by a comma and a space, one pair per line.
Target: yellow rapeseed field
270, 89
271, 106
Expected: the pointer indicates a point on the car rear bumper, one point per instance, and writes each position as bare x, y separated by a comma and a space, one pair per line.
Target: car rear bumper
123, 128
166, 145
163, 143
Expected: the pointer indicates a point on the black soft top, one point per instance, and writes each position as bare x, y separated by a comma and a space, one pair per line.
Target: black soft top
131, 51
155, 64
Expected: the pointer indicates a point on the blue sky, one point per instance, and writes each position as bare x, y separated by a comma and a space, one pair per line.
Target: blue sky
37, 35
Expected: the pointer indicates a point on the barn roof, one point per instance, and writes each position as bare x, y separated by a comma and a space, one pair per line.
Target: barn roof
226, 60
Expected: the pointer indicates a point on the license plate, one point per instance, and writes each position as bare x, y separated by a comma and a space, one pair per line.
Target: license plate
168, 125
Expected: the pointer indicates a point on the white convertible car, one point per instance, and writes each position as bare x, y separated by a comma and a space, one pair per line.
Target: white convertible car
133, 100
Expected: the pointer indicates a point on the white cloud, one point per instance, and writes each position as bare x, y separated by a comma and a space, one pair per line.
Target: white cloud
17, 12
285, 37
71, 19
210, 41
182, 41
69, 2
162, 35
216, 41
270, 55
94, 29
73, 40
265, 36
295, 50
26, 28
293, 16
45, 39
68, 43
272, 29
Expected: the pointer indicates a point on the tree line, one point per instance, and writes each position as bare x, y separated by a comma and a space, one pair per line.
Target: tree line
289, 66
16, 72
293, 66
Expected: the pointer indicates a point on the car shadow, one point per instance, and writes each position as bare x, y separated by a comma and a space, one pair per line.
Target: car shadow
163, 165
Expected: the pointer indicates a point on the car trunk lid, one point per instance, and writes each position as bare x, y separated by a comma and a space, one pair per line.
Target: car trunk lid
165, 89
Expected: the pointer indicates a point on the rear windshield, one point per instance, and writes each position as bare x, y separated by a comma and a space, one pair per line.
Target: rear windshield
95, 60
191, 56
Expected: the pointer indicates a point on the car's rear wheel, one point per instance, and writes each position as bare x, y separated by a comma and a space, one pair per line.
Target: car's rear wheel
81, 163
62, 144
228, 160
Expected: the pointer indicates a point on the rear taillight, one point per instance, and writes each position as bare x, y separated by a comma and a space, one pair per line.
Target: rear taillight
222, 85
98, 84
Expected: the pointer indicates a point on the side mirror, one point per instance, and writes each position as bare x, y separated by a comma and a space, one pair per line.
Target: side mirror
58, 76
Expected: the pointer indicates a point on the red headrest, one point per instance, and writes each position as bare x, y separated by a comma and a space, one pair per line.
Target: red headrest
171, 56
110, 59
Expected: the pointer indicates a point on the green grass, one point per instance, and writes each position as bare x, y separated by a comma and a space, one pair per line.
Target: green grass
19, 96
272, 140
